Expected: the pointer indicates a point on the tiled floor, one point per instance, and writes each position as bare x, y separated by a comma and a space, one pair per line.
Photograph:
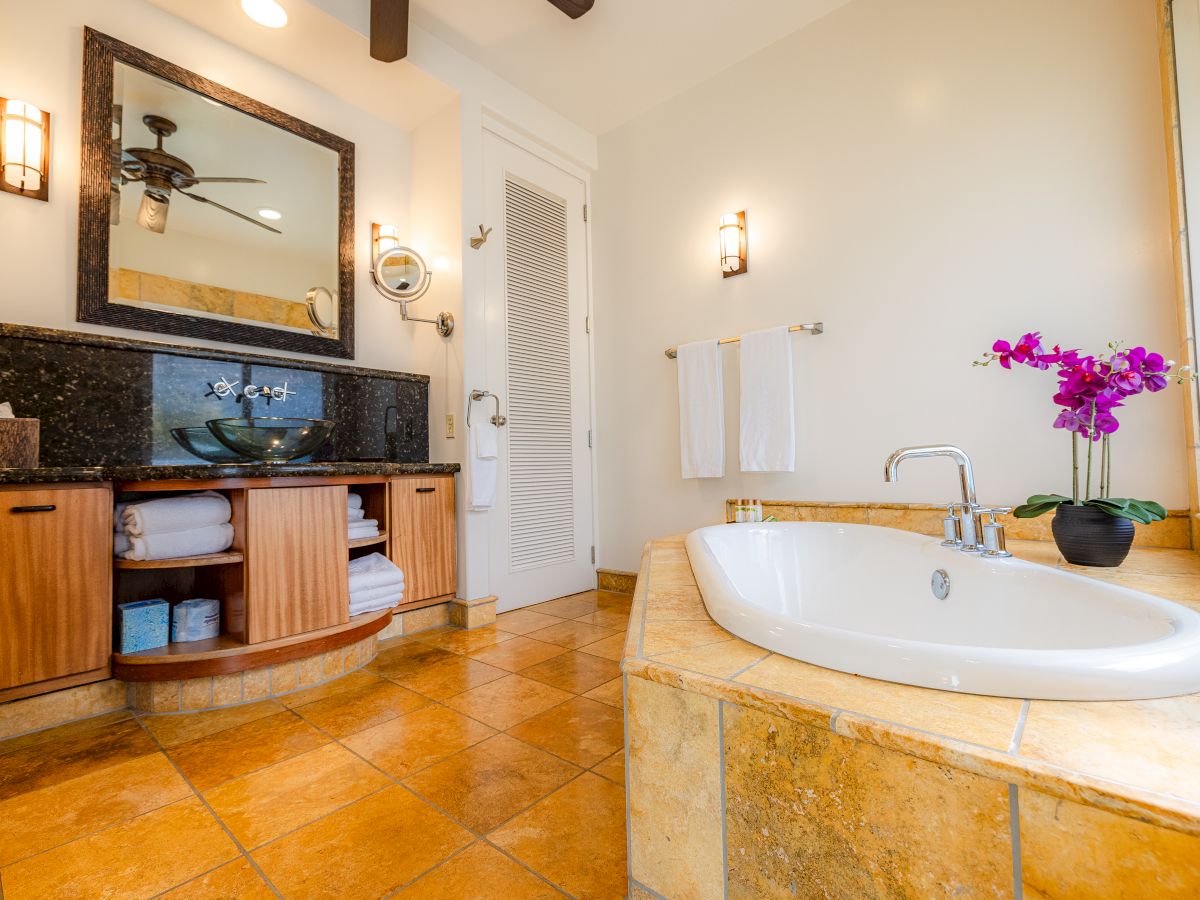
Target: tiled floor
482, 764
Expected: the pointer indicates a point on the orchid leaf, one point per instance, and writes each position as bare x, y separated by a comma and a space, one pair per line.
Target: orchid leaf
1039, 505
1155, 509
1122, 508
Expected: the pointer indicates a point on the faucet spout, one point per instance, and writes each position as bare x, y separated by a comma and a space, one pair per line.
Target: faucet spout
966, 477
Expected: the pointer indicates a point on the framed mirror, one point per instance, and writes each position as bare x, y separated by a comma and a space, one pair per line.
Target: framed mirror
205, 213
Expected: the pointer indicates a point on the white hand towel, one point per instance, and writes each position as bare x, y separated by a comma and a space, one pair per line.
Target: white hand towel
374, 571
354, 501
372, 562
768, 429
482, 461
384, 602
371, 595
169, 514
365, 528
355, 515
174, 544
701, 410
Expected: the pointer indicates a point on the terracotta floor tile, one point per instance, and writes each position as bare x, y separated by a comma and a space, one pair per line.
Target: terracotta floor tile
519, 653
360, 708
338, 685
173, 729
53, 815
406, 659
267, 804
581, 731
448, 677
366, 850
233, 881
574, 672
610, 647
460, 640
523, 621
506, 702
410, 743
235, 751
570, 634
611, 692
613, 768
616, 619
61, 732
613, 600
137, 858
568, 607
575, 838
481, 872
72, 753
491, 782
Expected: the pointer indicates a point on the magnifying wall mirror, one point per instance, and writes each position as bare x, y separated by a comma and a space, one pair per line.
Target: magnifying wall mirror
401, 275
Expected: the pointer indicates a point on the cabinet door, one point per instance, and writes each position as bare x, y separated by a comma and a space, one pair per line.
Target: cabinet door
55, 583
297, 578
423, 537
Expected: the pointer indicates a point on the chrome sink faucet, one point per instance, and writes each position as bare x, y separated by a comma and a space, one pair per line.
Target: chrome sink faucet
964, 528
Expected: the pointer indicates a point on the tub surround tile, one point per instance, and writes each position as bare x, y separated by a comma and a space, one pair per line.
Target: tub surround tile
810, 813
368, 849
663, 636
144, 855
413, 742
480, 871
489, 783
674, 789
575, 837
271, 802
722, 660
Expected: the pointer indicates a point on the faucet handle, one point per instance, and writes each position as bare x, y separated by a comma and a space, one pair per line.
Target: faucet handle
952, 526
993, 532
992, 511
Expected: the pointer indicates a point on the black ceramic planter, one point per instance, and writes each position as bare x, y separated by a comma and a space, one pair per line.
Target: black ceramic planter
1087, 536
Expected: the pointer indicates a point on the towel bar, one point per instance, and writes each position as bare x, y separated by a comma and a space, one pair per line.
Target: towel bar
811, 328
498, 420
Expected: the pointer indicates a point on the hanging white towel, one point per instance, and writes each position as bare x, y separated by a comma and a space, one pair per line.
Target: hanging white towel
482, 460
701, 410
768, 428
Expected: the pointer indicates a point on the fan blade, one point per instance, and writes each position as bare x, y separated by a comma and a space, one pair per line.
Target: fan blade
232, 212
196, 179
389, 30
152, 214
574, 8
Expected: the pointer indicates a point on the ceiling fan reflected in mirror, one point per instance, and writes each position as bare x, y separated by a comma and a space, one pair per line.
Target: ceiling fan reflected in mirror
162, 173
389, 25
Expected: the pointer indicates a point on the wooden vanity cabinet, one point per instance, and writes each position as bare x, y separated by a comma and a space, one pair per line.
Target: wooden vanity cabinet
55, 586
297, 560
423, 535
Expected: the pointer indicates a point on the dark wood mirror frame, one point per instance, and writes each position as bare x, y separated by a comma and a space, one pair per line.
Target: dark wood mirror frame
99, 53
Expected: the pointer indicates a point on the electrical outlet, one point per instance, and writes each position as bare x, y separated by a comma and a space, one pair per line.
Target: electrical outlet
449, 425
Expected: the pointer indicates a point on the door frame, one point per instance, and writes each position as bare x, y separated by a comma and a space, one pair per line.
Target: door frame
498, 128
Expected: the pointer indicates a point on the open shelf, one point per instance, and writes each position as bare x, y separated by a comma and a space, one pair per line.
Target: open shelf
182, 562
368, 541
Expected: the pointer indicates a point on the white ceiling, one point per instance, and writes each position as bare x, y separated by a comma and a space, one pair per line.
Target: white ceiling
619, 60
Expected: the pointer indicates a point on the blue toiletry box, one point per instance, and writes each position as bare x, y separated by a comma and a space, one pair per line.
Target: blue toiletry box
143, 624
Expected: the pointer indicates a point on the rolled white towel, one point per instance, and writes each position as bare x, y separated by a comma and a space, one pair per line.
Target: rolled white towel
121, 543
355, 515
174, 544
354, 501
171, 514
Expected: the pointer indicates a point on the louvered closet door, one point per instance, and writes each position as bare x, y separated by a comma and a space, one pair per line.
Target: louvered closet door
541, 529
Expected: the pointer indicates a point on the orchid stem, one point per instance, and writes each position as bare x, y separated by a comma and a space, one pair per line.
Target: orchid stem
1108, 472
1075, 468
1104, 466
1087, 486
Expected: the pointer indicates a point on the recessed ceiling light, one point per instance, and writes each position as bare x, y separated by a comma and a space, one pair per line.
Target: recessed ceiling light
271, 214
265, 12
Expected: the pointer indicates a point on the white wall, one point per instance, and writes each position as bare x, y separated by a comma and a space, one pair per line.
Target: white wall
923, 177
38, 249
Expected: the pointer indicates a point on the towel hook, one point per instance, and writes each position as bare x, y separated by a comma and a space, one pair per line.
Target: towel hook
477, 242
498, 420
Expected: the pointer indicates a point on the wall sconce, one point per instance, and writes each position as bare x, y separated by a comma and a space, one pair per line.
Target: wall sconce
733, 244
383, 239
24, 149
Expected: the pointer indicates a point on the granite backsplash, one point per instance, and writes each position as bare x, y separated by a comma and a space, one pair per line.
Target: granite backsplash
113, 401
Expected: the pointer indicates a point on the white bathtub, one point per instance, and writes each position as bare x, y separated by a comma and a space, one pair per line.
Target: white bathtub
857, 598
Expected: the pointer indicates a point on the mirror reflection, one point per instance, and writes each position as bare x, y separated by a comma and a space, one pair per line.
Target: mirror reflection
218, 215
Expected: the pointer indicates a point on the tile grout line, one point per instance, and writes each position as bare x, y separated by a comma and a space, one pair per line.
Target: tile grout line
212, 812
724, 814
1019, 728
1014, 807
746, 668
653, 893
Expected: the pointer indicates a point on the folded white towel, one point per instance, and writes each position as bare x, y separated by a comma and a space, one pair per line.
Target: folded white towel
372, 562
369, 595
701, 410
174, 544
365, 528
355, 515
372, 581
482, 462
176, 514
768, 429
121, 543
354, 501
377, 600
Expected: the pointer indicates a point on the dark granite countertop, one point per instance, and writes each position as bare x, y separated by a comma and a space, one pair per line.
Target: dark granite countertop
198, 472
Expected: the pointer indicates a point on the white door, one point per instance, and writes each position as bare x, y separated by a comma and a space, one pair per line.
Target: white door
537, 361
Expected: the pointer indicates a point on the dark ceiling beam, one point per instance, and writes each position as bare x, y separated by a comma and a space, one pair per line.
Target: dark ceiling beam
574, 8
389, 30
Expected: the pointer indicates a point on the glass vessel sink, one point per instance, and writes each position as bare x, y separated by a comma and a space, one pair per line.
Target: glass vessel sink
270, 439
199, 441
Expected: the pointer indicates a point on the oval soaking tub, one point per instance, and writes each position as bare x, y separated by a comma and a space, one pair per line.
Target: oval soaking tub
859, 599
